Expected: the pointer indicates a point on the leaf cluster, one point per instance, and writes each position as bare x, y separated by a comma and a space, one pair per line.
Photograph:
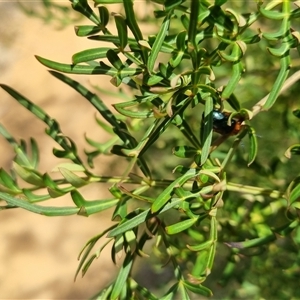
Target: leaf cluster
195, 62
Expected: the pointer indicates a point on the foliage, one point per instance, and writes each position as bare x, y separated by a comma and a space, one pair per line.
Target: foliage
225, 202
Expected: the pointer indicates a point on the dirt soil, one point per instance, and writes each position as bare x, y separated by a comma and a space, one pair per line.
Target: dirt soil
38, 254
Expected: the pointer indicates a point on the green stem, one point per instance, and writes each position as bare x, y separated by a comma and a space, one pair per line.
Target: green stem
247, 189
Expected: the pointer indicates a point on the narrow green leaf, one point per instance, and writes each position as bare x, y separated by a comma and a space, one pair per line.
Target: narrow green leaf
114, 59
54, 193
119, 127
104, 16
200, 265
198, 289
21, 157
42, 210
34, 153
93, 98
53, 189
182, 291
214, 237
272, 14
277, 35
92, 206
235, 55
282, 76
90, 54
72, 178
122, 30
134, 46
180, 226
7, 181
172, 4
185, 21
160, 37
153, 80
86, 251
10, 139
120, 282
130, 112
83, 7
78, 69
295, 194
63, 154
180, 40
206, 130
252, 39
131, 223
171, 293
107, 127
233, 102
193, 22
88, 247
176, 59
77, 199
253, 145
69, 166
53, 131
32, 198
282, 50
131, 22
37, 111
140, 218
88, 263
209, 72
202, 246
117, 247
86, 30
96, 206
131, 239
184, 151
237, 70
165, 195
294, 149
261, 241
210, 174
29, 175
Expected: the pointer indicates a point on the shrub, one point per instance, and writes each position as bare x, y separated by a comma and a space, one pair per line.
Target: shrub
196, 186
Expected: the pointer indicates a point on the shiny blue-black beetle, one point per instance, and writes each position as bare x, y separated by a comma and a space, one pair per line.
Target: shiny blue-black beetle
220, 123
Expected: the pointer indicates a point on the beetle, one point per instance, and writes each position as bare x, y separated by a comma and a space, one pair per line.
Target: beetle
220, 123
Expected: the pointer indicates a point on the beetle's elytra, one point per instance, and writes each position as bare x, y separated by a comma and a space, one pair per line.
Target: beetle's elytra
220, 123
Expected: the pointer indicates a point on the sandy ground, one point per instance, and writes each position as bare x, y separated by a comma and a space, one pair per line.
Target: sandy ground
38, 255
